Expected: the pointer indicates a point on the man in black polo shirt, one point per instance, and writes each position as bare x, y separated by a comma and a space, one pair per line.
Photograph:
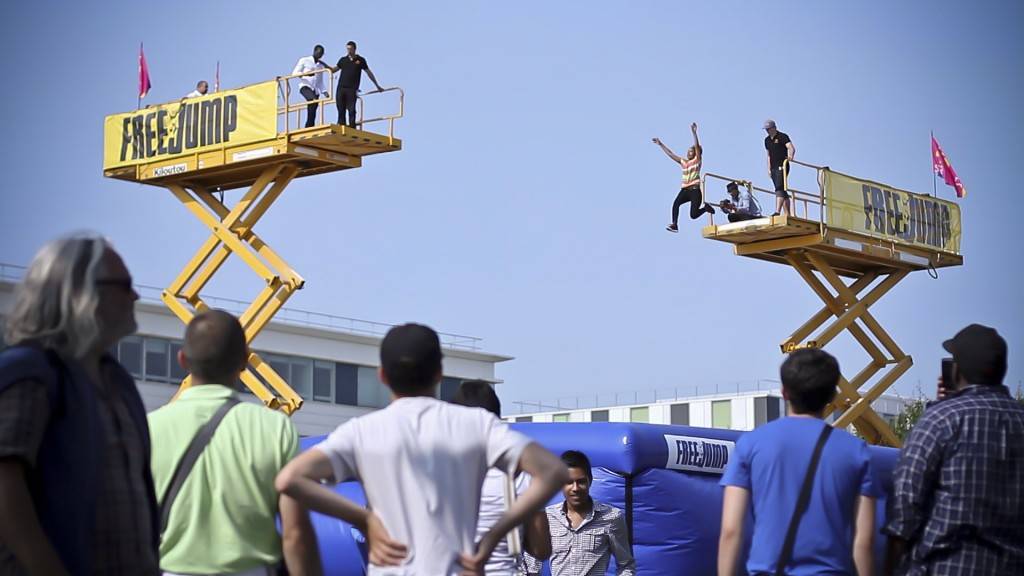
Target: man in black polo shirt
779, 148
351, 66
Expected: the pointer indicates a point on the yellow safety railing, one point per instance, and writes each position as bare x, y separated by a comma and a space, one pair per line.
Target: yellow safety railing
797, 197
299, 105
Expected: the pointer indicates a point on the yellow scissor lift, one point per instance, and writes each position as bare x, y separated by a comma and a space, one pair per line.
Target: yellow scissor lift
264, 161
869, 233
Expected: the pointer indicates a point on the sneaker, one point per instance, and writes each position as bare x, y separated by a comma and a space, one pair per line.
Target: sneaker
672, 228
709, 209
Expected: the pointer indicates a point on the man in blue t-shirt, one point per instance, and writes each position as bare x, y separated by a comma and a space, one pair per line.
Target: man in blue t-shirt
767, 470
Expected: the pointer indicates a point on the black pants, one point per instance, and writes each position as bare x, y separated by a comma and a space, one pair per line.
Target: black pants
689, 194
738, 217
780, 181
345, 98
309, 95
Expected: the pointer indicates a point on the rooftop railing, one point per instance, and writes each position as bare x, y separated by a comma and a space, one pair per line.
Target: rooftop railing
291, 316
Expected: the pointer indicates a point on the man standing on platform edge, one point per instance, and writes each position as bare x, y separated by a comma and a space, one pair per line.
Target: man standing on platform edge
351, 66
780, 148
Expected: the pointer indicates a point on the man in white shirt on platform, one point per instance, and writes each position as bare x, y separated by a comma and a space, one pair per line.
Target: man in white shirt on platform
311, 84
201, 89
421, 462
497, 495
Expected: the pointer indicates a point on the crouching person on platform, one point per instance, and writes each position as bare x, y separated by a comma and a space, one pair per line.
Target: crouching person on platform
215, 467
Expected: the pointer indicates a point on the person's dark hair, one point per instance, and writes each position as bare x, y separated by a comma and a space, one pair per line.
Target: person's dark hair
410, 356
809, 377
577, 459
215, 347
478, 394
318, 47
351, 43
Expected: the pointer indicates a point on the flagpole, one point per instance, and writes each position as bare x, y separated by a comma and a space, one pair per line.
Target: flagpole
935, 193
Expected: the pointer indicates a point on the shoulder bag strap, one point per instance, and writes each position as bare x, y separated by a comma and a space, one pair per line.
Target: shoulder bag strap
184, 467
801, 504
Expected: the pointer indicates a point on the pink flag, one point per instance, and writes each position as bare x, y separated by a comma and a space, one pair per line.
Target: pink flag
144, 84
216, 78
942, 167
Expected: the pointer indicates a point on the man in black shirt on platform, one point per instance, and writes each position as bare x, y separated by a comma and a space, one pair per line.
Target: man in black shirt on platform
351, 66
779, 148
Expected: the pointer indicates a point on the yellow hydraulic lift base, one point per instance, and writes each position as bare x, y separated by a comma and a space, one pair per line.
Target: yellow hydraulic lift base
251, 138
873, 235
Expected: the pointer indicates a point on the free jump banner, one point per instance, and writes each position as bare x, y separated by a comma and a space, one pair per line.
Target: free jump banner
190, 125
882, 211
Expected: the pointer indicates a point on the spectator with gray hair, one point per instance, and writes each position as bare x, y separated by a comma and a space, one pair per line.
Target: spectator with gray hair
75, 487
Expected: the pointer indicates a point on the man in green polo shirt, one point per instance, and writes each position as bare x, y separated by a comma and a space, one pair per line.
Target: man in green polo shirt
223, 519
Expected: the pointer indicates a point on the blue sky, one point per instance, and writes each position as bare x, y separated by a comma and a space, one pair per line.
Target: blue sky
528, 206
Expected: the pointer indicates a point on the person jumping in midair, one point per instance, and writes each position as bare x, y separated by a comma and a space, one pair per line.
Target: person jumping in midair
690, 191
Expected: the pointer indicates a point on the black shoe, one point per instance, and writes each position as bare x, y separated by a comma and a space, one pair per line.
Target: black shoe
709, 209
774, 215
672, 228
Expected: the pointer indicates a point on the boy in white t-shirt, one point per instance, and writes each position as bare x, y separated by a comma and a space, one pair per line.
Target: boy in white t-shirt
421, 462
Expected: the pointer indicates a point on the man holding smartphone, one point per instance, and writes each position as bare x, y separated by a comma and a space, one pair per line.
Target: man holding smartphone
957, 505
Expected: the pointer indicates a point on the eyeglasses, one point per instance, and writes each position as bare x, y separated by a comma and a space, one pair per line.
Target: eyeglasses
122, 283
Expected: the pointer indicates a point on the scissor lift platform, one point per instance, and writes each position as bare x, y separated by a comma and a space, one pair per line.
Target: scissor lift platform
873, 235
246, 138
317, 150
851, 254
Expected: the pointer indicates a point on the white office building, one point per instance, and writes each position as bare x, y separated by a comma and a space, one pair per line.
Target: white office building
331, 361
739, 410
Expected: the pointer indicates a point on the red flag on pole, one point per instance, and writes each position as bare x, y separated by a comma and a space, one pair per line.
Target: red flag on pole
942, 167
216, 78
144, 84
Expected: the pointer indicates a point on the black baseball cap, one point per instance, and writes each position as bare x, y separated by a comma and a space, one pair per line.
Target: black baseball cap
980, 354
410, 355
732, 185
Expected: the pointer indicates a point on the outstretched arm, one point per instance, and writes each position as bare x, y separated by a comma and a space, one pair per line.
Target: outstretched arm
666, 150
696, 140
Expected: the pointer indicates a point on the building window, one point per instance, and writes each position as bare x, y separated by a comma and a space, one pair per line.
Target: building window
599, 416
346, 383
765, 410
524, 418
563, 417
156, 359
177, 372
449, 386
721, 414
129, 354
680, 414
371, 392
302, 377
323, 381
640, 414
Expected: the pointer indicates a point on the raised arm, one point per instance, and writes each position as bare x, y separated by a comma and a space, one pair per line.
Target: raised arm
301, 480
734, 509
549, 474
696, 140
666, 150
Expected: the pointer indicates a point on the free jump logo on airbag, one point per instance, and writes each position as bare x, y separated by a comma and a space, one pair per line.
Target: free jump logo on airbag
698, 454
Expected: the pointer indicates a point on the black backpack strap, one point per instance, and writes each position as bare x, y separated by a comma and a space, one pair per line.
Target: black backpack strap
801, 504
192, 453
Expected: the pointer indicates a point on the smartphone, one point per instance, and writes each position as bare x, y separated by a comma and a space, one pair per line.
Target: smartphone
947, 384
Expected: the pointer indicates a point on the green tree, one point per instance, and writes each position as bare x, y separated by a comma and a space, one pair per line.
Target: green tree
908, 417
